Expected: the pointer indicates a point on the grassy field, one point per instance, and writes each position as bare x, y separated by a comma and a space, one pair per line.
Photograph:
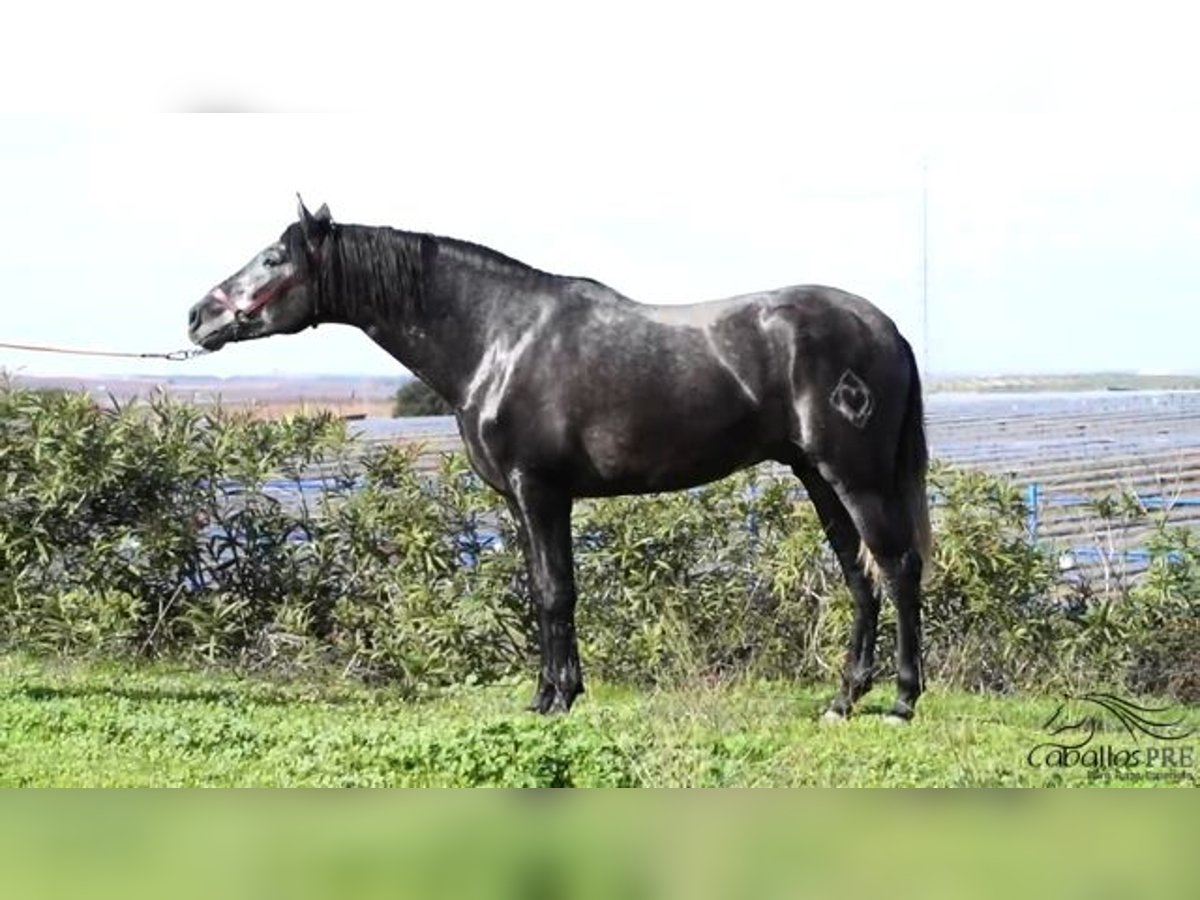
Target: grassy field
108, 725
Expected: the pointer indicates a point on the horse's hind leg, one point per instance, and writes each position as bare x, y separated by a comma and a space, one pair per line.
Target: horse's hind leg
544, 519
892, 559
859, 670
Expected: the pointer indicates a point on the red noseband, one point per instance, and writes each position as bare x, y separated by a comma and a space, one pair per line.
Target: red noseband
259, 298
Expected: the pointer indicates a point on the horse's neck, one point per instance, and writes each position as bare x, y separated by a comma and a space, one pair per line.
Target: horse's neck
441, 328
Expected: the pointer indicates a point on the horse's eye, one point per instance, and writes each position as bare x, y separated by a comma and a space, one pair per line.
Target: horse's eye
273, 260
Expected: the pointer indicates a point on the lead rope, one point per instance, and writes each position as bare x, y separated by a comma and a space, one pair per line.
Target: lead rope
173, 356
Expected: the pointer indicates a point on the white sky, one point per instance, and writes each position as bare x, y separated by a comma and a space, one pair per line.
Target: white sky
678, 153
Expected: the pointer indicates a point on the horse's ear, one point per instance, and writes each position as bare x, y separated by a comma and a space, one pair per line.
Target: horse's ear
315, 227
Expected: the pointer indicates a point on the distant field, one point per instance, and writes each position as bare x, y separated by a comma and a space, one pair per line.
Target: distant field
352, 409
281, 394
115, 725
267, 396
1093, 381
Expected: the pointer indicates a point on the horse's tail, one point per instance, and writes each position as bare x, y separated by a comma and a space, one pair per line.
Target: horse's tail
912, 462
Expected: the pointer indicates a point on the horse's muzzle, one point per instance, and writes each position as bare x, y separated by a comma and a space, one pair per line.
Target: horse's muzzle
208, 323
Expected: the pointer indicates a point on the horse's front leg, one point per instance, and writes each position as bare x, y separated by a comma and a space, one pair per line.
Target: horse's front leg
544, 514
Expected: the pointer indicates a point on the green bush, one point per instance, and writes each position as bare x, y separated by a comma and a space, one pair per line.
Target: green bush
988, 620
416, 398
732, 578
160, 530
156, 529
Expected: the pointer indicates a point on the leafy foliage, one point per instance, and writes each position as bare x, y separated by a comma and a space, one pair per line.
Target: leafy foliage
416, 398
161, 530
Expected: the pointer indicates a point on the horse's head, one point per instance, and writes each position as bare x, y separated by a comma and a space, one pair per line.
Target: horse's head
274, 293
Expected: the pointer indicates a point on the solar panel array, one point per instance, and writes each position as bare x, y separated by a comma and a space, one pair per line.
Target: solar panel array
1079, 447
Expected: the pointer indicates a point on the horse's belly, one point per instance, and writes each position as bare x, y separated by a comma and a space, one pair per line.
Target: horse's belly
643, 454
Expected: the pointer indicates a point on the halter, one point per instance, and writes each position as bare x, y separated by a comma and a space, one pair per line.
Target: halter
258, 299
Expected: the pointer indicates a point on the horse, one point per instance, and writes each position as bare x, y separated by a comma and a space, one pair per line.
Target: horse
564, 388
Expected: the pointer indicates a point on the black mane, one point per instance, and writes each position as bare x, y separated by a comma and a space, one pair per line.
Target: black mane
384, 270
377, 270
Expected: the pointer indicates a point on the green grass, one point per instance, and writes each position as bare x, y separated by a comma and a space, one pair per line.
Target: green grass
76, 724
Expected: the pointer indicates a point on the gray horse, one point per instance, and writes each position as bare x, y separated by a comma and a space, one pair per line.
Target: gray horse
564, 388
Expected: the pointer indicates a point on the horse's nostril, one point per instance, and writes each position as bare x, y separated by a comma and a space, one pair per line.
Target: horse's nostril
194, 317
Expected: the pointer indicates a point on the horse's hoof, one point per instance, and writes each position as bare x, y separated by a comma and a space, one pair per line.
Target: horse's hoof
900, 714
832, 715
543, 700
894, 720
550, 701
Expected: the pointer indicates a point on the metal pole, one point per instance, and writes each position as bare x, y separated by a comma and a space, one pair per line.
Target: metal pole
925, 265
1033, 498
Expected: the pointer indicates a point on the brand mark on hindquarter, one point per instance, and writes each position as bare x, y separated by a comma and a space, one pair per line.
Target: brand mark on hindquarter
852, 398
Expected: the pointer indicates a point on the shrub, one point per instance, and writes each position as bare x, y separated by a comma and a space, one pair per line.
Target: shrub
987, 618
731, 578
157, 529
416, 398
